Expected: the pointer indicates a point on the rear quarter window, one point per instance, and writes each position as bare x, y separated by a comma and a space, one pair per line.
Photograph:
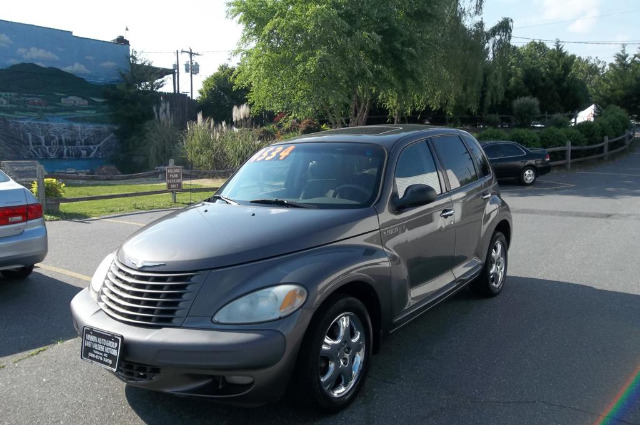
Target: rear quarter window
481, 161
456, 160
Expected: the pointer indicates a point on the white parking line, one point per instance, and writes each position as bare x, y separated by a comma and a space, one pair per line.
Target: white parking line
537, 187
608, 174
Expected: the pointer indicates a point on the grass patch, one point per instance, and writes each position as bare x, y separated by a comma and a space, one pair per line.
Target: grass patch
90, 209
2, 366
31, 354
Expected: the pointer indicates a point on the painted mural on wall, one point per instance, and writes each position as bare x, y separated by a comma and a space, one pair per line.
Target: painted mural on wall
52, 85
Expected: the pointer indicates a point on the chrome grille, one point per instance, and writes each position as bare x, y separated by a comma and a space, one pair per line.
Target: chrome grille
161, 299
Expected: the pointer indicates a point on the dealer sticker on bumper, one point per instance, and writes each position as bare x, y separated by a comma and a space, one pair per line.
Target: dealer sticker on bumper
101, 347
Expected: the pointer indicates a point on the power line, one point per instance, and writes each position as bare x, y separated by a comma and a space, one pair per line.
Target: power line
581, 42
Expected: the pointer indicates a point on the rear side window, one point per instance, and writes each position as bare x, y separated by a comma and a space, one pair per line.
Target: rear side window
416, 166
493, 151
456, 160
3, 177
503, 150
511, 150
482, 163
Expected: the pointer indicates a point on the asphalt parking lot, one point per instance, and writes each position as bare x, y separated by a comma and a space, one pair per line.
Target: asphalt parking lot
560, 345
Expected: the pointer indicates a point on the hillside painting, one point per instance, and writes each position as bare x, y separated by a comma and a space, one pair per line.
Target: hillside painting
52, 105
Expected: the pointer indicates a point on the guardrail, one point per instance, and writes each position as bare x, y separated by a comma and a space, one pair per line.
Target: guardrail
605, 145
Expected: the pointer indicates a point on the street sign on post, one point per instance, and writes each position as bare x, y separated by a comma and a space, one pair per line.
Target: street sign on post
174, 179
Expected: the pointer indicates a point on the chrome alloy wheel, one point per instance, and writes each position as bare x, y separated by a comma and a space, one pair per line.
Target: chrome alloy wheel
498, 265
528, 176
342, 355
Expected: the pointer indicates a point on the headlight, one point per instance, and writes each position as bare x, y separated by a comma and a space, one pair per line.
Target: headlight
263, 305
100, 275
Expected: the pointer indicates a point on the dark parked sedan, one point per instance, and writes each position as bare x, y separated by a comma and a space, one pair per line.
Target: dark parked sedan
294, 270
512, 160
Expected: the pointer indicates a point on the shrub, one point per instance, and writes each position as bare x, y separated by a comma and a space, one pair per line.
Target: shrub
267, 133
491, 120
492, 134
619, 116
575, 137
309, 126
52, 188
590, 131
605, 128
559, 121
210, 147
528, 138
161, 142
552, 138
525, 110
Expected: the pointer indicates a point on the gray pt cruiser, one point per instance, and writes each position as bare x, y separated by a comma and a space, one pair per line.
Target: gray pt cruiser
291, 274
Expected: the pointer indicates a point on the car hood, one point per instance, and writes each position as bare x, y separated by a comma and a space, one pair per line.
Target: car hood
213, 235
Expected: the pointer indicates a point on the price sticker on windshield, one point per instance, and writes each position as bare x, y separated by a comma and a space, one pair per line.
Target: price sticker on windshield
277, 153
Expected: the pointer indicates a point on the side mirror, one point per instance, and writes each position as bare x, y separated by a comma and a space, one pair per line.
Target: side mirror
416, 195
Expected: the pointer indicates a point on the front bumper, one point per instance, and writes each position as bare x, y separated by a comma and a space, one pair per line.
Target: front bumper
199, 362
25, 249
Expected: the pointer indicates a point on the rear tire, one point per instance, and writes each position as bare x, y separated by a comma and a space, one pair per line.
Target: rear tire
494, 273
528, 176
16, 274
334, 358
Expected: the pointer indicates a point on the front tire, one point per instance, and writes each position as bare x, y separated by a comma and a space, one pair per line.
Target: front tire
528, 176
20, 273
334, 358
494, 273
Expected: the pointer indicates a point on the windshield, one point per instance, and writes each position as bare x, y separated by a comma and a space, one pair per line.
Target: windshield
321, 175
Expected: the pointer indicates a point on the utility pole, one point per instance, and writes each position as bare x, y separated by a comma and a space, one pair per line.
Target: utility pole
178, 71
191, 54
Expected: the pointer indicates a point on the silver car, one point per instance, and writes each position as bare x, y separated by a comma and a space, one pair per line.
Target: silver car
23, 234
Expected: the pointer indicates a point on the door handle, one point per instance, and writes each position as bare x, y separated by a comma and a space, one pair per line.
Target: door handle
486, 195
447, 213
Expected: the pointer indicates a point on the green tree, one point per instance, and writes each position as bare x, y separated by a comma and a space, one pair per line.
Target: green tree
620, 84
589, 71
496, 65
219, 95
131, 105
337, 58
548, 75
525, 110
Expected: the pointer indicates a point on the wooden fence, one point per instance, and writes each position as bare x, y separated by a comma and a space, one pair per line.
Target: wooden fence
53, 204
605, 146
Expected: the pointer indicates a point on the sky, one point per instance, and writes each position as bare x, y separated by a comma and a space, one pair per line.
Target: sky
157, 32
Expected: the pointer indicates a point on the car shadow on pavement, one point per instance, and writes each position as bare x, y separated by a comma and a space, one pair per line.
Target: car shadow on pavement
541, 352
34, 313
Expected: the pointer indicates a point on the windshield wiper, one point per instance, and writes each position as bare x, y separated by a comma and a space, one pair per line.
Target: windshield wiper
283, 202
225, 199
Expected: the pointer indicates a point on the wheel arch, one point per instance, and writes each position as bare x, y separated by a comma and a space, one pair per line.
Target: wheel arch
367, 295
504, 227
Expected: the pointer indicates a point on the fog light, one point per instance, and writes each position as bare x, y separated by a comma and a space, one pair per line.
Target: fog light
239, 380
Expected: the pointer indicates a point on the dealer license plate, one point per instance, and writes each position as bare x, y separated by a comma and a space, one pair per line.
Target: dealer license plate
101, 347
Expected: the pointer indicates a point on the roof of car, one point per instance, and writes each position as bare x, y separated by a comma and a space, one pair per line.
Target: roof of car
386, 135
